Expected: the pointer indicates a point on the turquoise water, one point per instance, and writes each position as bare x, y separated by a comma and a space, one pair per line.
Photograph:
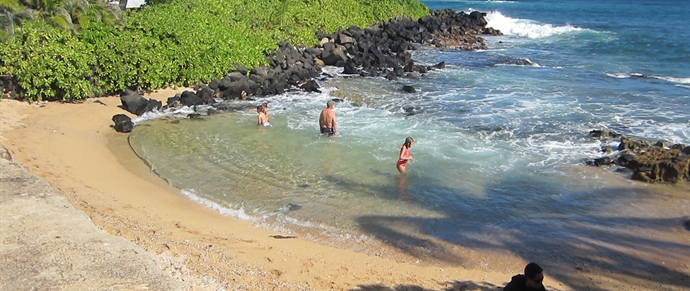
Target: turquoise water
498, 163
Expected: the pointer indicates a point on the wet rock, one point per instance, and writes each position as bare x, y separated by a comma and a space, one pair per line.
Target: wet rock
409, 89
649, 163
607, 150
205, 93
604, 133
632, 144
290, 207
603, 161
189, 98
122, 123
311, 86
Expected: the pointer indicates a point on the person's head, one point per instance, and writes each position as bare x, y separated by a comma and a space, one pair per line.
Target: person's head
534, 274
330, 103
259, 108
264, 105
409, 141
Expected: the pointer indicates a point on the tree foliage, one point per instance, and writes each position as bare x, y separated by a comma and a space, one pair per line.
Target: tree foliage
172, 42
49, 63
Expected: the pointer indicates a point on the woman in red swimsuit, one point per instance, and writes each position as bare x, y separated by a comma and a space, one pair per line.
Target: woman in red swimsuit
404, 155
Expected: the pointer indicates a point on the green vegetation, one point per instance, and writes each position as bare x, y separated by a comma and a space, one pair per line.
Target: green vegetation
175, 42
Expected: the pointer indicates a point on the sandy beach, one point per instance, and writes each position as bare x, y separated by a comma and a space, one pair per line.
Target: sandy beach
73, 148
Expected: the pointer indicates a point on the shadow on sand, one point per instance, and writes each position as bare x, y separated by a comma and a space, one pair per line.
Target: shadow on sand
449, 286
563, 235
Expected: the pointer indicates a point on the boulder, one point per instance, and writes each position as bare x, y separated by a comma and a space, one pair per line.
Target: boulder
331, 55
189, 98
409, 89
350, 68
174, 101
311, 86
604, 133
134, 103
122, 123
152, 104
206, 94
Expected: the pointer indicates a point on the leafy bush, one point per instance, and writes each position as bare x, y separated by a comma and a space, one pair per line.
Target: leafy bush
176, 42
49, 63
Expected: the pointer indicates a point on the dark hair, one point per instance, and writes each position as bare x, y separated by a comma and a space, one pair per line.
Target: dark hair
409, 140
259, 108
532, 269
264, 104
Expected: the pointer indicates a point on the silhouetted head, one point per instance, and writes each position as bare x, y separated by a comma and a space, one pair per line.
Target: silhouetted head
534, 274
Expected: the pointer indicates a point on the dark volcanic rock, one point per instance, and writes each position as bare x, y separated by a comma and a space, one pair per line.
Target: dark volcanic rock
648, 163
189, 98
134, 103
381, 50
122, 123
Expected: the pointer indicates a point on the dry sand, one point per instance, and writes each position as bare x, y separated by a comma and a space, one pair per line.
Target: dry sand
73, 147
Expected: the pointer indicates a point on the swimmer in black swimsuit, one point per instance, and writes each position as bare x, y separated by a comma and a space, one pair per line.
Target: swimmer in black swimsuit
327, 121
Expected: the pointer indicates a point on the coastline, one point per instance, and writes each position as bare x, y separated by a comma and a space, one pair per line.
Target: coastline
92, 167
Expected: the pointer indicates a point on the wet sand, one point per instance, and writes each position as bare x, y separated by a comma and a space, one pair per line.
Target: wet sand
74, 148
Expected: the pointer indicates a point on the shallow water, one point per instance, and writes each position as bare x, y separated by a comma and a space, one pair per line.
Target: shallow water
498, 162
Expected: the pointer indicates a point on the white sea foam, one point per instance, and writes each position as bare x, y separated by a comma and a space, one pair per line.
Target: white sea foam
678, 81
683, 82
237, 213
618, 75
525, 27
180, 112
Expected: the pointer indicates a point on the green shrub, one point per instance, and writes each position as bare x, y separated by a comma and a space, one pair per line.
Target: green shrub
49, 63
176, 42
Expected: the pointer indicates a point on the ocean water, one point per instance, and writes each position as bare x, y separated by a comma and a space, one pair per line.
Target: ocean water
501, 139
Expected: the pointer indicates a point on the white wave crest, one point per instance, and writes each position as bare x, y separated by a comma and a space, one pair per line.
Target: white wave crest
618, 75
683, 82
678, 81
525, 27
237, 213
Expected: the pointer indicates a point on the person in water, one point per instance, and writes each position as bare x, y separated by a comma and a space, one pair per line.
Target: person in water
404, 156
327, 122
263, 116
530, 281
265, 107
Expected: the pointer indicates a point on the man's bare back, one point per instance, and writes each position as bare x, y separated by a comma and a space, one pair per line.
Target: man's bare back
327, 121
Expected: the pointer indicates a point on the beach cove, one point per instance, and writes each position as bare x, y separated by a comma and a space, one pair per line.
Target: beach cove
73, 147
499, 178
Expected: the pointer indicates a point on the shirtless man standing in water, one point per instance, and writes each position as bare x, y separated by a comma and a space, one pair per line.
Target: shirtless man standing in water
327, 120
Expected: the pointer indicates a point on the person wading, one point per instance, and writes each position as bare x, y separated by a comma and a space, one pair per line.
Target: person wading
327, 121
404, 155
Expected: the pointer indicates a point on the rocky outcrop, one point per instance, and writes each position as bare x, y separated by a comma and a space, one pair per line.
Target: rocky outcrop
134, 103
649, 162
381, 50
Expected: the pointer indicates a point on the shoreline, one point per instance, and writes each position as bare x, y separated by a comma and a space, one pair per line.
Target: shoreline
74, 149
